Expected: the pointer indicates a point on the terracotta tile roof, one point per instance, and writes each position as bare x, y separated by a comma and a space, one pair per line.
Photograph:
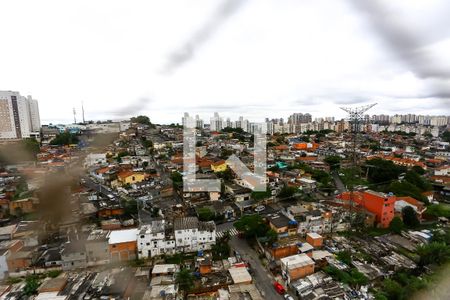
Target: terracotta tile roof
218, 163
125, 174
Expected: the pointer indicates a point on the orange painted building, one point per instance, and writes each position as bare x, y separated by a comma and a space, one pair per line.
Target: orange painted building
107, 212
283, 251
123, 244
296, 266
314, 239
22, 205
380, 204
306, 146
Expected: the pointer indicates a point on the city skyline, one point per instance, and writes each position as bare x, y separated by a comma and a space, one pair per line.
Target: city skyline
328, 54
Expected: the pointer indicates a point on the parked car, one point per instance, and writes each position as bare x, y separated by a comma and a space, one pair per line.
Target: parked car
279, 288
288, 297
260, 208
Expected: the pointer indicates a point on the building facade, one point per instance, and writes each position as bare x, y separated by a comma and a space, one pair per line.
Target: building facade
19, 116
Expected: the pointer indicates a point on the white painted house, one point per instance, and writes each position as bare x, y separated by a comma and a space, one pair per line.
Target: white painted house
193, 235
186, 235
153, 240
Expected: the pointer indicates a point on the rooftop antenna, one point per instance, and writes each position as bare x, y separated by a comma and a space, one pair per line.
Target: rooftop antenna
355, 117
74, 116
82, 112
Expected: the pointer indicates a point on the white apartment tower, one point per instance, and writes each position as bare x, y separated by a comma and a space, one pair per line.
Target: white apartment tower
216, 122
19, 116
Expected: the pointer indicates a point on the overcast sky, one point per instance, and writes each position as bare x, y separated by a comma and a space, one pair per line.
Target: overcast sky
256, 58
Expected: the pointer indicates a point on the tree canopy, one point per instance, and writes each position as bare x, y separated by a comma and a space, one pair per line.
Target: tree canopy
185, 280
205, 214
383, 170
252, 226
410, 217
144, 120
65, 138
433, 253
396, 225
333, 161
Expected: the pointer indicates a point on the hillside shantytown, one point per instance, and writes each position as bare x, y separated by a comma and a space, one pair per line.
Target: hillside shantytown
97, 210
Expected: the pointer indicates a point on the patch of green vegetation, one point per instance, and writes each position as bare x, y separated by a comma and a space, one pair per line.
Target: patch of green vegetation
32, 284
345, 257
254, 226
205, 214
258, 196
139, 262
53, 273
353, 277
65, 138
144, 120
351, 177
14, 280
374, 231
439, 210
178, 258
401, 286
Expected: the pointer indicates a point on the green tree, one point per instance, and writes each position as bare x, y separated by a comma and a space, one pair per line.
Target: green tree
393, 289
261, 195
441, 236
358, 278
433, 253
418, 169
405, 188
446, 136
418, 181
146, 143
252, 226
396, 225
141, 120
221, 250
410, 217
345, 257
226, 175
205, 214
31, 285
185, 281
176, 177
65, 138
287, 192
272, 236
333, 161
54, 273
31, 146
438, 210
383, 170
130, 207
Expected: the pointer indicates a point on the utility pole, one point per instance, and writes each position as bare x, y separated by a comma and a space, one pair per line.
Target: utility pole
82, 112
74, 116
355, 117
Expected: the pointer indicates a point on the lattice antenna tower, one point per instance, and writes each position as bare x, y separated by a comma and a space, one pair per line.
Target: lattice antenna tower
355, 117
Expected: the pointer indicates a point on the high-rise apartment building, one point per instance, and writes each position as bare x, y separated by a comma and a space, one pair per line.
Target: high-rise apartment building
19, 116
299, 118
216, 122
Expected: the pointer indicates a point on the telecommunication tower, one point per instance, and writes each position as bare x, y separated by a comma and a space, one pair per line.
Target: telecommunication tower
355, 117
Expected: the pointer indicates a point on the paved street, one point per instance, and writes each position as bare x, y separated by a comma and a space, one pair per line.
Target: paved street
231, 231
262, 278
338, 182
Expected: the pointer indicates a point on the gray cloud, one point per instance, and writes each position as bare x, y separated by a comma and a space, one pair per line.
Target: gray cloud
407, 46
131, 109
200, 37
